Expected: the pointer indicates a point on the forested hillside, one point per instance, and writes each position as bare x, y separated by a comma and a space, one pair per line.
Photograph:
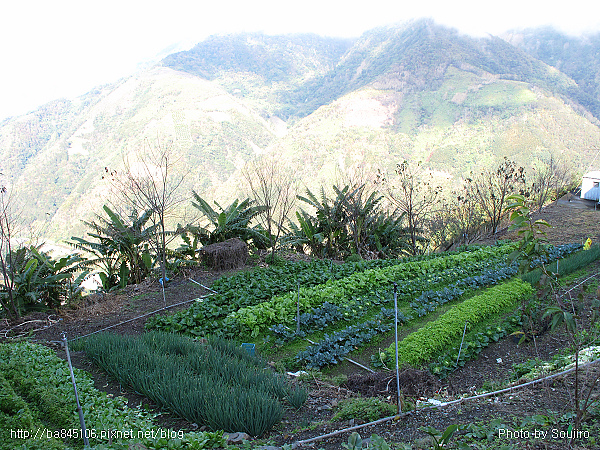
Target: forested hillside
577, 57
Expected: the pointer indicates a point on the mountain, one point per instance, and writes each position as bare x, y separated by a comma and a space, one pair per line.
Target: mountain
577, 57
262, 69
56, 157
327, 107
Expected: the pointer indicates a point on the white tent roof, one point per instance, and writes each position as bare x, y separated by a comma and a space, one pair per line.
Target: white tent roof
594, 175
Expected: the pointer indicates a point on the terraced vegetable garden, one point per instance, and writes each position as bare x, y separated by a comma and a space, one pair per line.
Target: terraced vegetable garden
37, 409
309, 315
321, 312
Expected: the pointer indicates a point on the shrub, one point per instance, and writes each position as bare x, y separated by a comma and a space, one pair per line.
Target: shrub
367, 409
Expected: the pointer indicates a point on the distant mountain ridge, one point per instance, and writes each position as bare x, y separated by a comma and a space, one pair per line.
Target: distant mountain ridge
326, 106
420, 48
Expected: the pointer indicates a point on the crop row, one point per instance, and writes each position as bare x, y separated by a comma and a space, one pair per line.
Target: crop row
215, 384
337, 345
473, 345
36, 394
422, 345
263, 283
254, 287
281, 309
332, 347
317, 320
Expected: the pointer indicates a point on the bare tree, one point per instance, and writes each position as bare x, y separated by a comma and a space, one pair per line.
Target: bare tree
416, 196
273, 187
150, 182
492, 186
7, 225
460, 222
550, 179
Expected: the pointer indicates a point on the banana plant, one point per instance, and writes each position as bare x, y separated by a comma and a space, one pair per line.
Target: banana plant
40, 281
304, 235
120, 249
232, 221
59, 280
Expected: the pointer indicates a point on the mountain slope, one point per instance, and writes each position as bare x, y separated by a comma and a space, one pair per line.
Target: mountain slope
577, 57
61, 177
332, 109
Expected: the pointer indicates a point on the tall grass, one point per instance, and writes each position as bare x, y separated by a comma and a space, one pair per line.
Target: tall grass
216, 383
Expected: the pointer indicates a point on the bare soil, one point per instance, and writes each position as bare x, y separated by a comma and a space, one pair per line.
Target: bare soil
572, 221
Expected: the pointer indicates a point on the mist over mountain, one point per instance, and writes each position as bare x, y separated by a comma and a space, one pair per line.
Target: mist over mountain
416, 91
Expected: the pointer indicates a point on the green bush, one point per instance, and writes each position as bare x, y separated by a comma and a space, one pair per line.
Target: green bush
422, 345
367, 409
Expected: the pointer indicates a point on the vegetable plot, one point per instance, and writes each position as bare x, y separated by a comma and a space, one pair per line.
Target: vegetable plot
436, 290
362, 298
422, 345
251, 288
216, 384
253, 320
49, 409
340, 343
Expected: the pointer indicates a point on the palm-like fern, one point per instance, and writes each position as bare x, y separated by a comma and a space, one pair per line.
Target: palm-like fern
351, 221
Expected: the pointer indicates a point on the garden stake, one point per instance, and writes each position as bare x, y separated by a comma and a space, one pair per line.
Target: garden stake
298, 311
79, 410
397, 365
461, 342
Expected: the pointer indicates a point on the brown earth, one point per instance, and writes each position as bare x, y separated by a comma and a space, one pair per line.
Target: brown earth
572, 222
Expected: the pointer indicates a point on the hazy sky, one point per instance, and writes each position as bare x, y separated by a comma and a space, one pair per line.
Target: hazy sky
63, 48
